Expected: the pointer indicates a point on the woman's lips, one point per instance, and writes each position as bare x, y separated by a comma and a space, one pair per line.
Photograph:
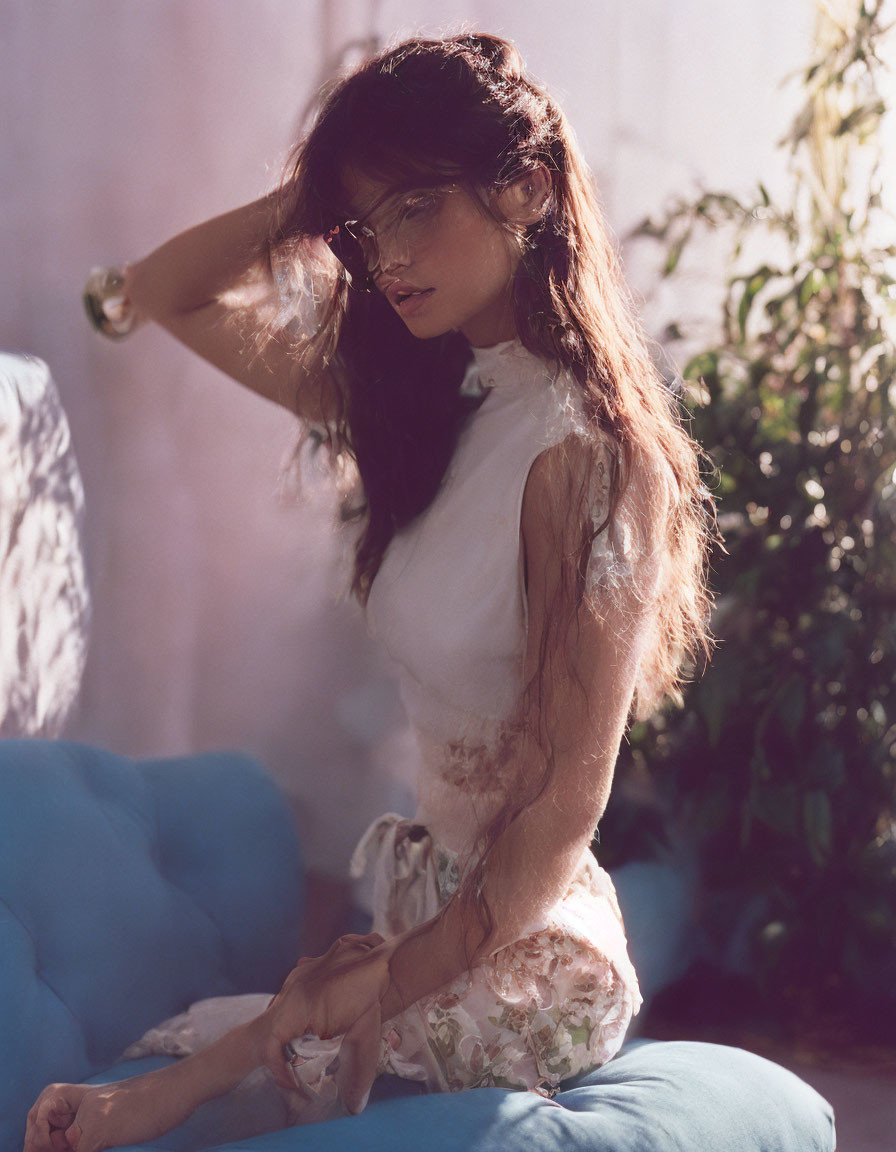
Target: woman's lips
408, 305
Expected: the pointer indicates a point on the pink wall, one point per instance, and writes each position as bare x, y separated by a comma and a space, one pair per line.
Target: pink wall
124, 122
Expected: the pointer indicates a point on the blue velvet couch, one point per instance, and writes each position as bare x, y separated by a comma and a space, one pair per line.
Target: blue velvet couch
129, 889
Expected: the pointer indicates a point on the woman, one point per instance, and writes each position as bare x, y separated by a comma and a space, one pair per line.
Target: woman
434, 293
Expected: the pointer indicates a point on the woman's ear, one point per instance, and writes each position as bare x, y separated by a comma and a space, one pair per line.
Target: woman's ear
525, 201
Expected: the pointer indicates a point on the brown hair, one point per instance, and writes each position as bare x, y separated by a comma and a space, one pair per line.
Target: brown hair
463, 109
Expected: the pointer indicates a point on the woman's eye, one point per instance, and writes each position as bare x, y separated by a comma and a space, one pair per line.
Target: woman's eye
417, 206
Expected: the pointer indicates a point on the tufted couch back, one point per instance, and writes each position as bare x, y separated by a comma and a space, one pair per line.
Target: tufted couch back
127, 890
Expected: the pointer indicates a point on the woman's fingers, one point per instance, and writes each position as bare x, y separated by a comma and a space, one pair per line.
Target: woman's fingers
274, 1056
59, 1141
370, 940
359, 1058
73, 1139
52, 1113
352, 943
337, 995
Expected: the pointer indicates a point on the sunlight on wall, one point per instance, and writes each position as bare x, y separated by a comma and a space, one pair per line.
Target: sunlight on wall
44, 604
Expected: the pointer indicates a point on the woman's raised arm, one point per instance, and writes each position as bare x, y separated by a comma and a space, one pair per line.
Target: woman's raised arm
213, 288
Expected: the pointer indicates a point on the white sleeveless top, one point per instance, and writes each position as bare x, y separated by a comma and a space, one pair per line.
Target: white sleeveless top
449, 599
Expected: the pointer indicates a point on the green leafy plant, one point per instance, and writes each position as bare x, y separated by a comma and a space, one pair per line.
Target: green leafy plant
782, 764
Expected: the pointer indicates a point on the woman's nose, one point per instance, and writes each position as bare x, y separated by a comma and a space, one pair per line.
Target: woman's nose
392, 254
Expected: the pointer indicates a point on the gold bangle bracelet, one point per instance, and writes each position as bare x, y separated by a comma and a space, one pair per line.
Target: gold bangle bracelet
108, 308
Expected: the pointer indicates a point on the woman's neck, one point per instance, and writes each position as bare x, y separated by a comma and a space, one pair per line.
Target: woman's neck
493, 326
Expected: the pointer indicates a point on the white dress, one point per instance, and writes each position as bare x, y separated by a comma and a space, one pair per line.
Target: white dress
449, 603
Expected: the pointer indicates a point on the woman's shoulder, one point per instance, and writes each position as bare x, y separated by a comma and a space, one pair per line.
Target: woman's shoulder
577, 455
575, 498
574, 471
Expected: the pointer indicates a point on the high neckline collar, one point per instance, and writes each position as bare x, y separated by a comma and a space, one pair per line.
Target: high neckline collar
497, 355
508, 365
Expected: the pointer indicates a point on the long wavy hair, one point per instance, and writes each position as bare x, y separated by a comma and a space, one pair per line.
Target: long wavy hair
462, 109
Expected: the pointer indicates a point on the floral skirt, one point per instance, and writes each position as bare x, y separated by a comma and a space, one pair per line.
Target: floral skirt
552, 1004
549, 1006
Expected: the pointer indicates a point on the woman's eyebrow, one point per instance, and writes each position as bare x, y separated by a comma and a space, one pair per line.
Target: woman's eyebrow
377, 204
394, 192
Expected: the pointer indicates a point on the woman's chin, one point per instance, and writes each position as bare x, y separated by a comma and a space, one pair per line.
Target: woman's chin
426, 328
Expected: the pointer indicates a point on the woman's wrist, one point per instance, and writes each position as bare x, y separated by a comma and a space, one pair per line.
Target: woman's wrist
383, 955
421, 961
227, 256
219, 1068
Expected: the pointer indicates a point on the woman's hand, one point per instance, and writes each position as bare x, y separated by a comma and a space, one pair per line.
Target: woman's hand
51, 1117
92, 1118
338, 994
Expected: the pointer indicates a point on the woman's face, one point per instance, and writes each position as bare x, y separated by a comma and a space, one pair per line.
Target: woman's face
444, 263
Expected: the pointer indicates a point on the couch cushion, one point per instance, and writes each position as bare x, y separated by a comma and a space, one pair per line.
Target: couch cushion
655, 1096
